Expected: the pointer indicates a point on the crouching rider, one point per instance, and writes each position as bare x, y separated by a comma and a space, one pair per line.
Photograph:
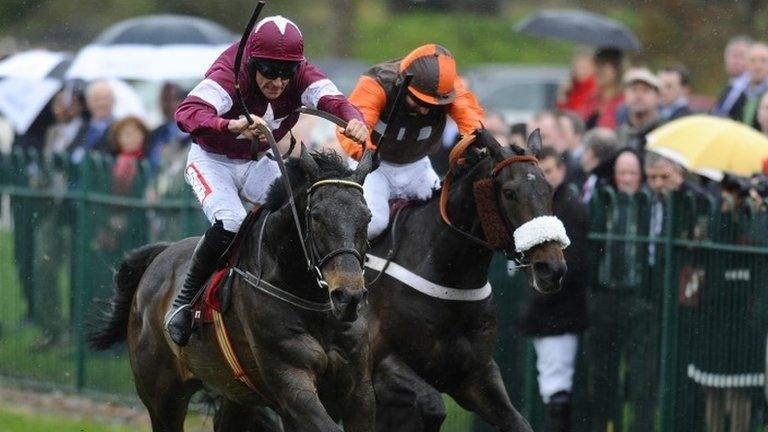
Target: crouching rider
276, 80
416, 127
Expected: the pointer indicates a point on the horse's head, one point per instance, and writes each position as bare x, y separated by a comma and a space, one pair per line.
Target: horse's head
336, 224
529, 232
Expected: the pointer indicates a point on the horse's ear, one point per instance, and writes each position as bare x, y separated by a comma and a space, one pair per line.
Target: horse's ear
364, 167
308, 164
489, 142
534, 142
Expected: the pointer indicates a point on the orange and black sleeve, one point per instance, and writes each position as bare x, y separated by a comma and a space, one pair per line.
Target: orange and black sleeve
465, 109
370, 98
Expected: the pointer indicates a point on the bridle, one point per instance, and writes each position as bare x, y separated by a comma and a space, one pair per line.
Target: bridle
495, 226
315, 260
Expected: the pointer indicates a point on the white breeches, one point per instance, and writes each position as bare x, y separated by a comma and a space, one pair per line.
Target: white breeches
416, 180
555, 361
221, 183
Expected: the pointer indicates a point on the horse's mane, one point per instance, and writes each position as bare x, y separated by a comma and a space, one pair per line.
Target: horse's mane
330, 163
472, 160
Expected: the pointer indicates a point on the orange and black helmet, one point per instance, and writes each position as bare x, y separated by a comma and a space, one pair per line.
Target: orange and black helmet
434, 72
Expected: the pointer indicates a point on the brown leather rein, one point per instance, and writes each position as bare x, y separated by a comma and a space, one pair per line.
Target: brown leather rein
495, 229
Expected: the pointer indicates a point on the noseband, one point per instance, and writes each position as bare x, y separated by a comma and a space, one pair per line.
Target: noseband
495, 227
315, 260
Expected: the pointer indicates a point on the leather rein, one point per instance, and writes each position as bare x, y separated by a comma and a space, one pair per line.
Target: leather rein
499, 223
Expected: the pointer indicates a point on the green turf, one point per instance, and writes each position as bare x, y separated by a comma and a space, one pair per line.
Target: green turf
14, 421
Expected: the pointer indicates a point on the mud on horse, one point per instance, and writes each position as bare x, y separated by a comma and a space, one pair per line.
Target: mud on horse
432, 313
295, 332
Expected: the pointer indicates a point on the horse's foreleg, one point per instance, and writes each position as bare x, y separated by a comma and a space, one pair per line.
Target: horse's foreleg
483, 392
360, 409
233, 417
404, 401
299, 405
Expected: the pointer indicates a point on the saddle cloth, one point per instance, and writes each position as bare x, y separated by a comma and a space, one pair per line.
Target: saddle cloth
215, 296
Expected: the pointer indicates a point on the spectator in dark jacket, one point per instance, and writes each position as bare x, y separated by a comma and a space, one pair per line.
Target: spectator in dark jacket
675, 89
736, 66
555, 320
167, 142
599, 146
100, 101
641, 94
572, 131
745, 107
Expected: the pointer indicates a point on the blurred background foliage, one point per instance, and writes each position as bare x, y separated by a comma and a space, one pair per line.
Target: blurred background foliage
692, 32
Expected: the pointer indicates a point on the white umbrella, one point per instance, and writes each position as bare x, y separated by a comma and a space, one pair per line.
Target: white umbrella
28, 81
33, 64
144, 62
153, 48
21, 99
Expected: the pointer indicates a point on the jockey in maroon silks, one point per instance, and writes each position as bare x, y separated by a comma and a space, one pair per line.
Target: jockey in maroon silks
275, 81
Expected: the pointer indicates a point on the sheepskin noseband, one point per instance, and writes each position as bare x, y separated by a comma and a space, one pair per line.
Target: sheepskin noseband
539, 230
534, 232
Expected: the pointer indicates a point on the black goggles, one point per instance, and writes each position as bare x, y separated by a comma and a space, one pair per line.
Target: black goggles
273, 69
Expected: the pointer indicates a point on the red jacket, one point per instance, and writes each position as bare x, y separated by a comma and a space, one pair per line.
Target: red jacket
206, 111
578, 99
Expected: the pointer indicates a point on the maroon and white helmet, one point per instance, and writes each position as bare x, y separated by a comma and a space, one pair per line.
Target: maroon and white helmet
276, 38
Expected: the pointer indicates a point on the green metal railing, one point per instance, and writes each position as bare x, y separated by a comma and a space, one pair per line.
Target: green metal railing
677, 301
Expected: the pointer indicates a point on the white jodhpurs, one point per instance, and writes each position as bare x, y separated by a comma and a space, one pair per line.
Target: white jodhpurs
555, 361
416, 180
221, 183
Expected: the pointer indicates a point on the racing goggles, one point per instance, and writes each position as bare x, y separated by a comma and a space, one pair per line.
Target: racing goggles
273, 69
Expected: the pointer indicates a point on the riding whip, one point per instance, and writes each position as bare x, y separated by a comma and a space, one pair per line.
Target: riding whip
238, 63
394, 108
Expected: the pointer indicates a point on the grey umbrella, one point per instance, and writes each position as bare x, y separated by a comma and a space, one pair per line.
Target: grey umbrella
581, 27
165, 30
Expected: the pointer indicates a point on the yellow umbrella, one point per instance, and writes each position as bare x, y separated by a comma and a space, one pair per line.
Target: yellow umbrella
711, 145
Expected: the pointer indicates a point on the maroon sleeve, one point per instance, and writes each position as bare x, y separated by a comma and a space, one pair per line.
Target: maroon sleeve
197, 117
201, 112
340, 107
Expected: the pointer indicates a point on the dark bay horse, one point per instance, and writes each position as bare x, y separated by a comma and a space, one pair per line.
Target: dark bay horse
432, 314
302, 347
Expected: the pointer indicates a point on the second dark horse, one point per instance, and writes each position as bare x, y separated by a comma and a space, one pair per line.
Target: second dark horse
440, 336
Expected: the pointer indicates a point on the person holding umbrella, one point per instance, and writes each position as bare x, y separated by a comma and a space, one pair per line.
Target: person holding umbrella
279, 80
413, 129
602, 109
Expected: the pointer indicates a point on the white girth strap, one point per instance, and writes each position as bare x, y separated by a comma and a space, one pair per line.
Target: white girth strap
424, 286
539, 230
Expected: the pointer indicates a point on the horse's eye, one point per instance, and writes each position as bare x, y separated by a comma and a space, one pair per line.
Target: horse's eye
509, 194
315, 216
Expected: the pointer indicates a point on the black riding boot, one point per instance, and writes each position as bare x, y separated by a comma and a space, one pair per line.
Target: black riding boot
558, 414
212, 245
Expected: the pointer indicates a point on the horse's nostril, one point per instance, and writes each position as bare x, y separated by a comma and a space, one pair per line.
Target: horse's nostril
340, 296
549, 271
543, 270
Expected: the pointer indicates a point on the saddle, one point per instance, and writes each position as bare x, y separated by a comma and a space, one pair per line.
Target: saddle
395, 207
216, 294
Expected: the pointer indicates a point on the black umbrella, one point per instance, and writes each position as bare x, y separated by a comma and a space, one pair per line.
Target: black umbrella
165, 30
581, 27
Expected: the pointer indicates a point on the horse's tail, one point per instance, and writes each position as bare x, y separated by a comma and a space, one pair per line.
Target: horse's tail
114, 329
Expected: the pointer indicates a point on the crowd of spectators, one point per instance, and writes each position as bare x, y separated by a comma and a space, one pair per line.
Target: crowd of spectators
596, 136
